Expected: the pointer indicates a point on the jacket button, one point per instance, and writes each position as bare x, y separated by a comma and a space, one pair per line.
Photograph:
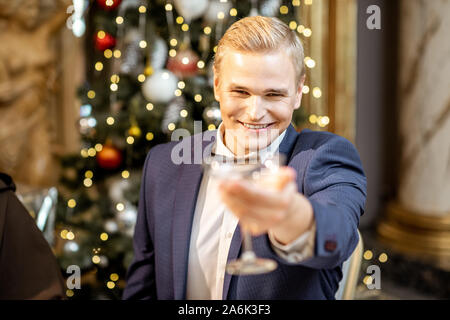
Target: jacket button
330, 245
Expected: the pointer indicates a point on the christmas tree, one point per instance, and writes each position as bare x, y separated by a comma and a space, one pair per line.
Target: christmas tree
149, 72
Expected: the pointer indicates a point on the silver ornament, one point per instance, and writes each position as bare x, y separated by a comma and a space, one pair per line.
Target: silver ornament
71, 247
158, 54
127, 219
131, 62
269, 8
126, 4
111, 226
212, 114
117, 189
172, 114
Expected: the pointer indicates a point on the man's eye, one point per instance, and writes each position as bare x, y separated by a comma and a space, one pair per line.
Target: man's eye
240, 91
274, 95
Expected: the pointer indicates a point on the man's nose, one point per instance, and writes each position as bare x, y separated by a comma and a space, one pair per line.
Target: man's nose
255, 108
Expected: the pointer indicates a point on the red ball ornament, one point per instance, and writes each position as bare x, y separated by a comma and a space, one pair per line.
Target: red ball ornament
109, 158
108, 4
184, 64
104, 40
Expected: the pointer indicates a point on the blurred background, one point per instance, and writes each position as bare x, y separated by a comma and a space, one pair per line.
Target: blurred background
88, 87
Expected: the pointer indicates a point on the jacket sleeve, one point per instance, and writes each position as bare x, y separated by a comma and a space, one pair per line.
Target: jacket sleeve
335, 185
141, 273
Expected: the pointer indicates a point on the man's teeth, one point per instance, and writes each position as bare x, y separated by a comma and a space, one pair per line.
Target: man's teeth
250, 126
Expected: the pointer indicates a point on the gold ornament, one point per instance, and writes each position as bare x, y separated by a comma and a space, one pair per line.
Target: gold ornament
148, 71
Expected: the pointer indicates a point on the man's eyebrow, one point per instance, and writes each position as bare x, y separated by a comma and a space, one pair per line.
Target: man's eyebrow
237, 87
281, 91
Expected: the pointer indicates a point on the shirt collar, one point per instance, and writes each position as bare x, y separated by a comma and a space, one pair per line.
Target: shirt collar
222, 150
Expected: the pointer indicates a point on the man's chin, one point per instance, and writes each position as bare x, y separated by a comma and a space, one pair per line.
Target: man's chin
247, 141
255, 145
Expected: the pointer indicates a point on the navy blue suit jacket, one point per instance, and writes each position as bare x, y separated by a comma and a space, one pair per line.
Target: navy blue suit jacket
329, 174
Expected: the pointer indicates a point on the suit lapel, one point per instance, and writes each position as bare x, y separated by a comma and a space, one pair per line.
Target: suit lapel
287, 145
187, 189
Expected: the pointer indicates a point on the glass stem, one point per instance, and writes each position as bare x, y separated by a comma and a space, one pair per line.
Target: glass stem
247, 253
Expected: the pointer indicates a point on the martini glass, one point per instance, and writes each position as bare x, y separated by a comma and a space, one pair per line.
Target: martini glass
262, 173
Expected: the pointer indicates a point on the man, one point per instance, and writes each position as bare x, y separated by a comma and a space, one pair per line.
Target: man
184, 235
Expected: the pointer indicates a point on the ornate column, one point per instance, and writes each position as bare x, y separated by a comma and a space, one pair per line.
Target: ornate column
28, 85
418, 221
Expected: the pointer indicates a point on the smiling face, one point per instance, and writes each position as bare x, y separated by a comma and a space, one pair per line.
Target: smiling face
258, 93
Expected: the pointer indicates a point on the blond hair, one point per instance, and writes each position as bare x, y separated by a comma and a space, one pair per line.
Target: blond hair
261, 34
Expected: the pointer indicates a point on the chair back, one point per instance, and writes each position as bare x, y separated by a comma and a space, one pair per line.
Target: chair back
350, 273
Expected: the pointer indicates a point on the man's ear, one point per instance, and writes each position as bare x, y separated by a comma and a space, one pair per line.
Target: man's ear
299, 92
216, 83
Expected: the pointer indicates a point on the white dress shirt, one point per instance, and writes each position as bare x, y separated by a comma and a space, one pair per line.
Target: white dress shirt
213, 228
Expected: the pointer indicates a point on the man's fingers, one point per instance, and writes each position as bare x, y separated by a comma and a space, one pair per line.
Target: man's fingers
260, 205
252, 211
285, 175
264, 191
247, 191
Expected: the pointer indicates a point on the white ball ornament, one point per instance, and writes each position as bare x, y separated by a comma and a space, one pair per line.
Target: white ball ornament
191, 9
216, 8
160, 86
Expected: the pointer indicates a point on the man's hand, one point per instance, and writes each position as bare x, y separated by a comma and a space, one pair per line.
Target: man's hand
272, 204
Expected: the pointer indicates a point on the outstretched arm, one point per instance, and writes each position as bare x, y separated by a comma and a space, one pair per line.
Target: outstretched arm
335, 185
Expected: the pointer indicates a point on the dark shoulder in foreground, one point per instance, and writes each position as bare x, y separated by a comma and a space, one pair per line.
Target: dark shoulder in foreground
6, 183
